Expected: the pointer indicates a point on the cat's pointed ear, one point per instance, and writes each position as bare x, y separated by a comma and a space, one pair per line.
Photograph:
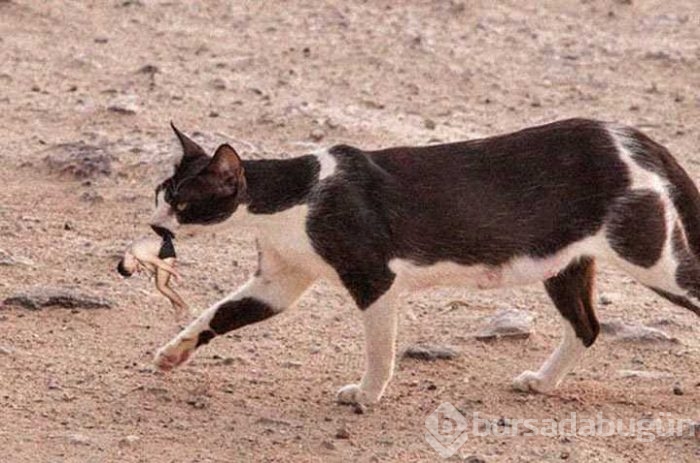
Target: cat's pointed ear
226, 164
190, 149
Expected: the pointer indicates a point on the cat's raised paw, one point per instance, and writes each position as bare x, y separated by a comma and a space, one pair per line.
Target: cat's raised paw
530, 381
175, 353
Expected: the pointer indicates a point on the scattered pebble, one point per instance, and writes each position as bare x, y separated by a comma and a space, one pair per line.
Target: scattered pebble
328, 445
149, 69
677, 389
358, 409
218, 84
429, 124
5, 351
92, 197
507, 323
317, 134
9, 261
123, 104
342, 433
79, 439
129, 440
197, 402
644, 374
429, 352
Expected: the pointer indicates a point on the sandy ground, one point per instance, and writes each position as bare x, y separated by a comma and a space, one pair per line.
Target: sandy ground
283, 79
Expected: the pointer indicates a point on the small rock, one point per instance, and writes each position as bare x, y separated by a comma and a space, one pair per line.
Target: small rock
79, 439
124, 104
129, 440
197, 402
677, 389
342, 433
218, 84
644, 374
507, 323
604, 300
5, 351
37, 298
91, 197
474, 459
79, 160
317, 134
358, 409
149, 69
326, 444
429, 124
629, 332
291, 364
7, 260
429, 352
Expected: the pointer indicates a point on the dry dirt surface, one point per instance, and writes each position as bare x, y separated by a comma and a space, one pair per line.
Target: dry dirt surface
87, 89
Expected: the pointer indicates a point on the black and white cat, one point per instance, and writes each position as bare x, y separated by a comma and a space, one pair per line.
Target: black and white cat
541, 204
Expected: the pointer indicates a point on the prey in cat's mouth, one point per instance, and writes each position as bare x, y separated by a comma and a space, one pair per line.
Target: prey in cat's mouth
538, 205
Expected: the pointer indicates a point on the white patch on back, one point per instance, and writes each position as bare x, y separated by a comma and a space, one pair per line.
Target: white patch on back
521, 270
328, 164
640, 178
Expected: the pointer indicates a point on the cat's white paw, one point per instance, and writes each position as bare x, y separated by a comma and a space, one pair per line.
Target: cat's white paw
175, 353
530, 381
353, 394
349, 395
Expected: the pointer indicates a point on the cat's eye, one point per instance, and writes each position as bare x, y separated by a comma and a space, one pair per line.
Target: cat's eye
181, 206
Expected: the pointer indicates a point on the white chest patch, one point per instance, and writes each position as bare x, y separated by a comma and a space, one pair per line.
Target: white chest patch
518, 271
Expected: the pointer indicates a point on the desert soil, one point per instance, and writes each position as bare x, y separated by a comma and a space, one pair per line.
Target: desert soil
282, 79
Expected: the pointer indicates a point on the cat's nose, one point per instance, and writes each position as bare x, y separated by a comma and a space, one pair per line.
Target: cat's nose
163, 232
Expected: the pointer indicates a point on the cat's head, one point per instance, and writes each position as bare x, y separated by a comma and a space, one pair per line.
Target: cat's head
203, 190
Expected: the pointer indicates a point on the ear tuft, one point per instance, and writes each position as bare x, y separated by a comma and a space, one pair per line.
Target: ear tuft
226, 163
190, 149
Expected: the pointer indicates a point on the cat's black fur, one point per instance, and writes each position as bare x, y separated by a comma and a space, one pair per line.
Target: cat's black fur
476, 204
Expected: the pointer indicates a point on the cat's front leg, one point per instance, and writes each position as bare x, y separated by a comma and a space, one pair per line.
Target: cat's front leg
380, 326
275, 287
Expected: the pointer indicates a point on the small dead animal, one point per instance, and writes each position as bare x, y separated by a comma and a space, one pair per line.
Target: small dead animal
156, 257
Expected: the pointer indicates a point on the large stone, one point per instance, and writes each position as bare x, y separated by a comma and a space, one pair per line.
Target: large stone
79, 160
507, 323
39, 297
633, 332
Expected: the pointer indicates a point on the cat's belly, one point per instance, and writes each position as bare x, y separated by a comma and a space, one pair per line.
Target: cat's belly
521, 270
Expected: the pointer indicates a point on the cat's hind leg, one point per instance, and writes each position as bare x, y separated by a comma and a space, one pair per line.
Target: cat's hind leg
572, 293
